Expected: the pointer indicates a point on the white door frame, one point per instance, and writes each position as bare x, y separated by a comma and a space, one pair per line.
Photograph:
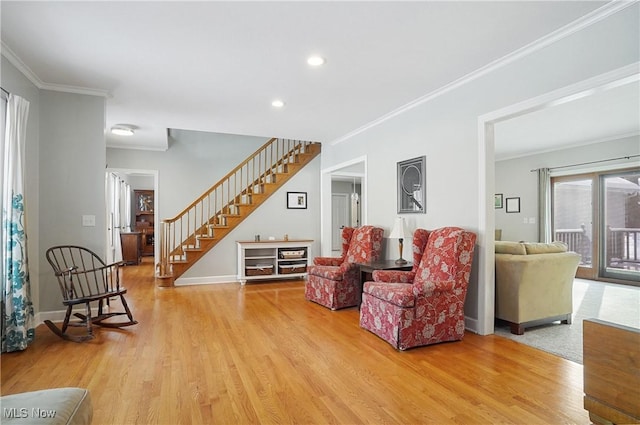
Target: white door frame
325, 198
156, 221
486, 166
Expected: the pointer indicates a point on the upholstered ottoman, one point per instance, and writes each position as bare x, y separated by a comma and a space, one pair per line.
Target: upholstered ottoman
48, 407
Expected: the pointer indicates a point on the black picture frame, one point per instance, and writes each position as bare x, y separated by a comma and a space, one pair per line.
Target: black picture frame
498, 201
512, 205
297, 200
412, 193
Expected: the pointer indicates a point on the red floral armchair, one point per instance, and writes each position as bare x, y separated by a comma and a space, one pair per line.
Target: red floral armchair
430, 308
334, 282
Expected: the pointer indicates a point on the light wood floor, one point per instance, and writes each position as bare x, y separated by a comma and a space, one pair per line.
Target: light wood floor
226, 354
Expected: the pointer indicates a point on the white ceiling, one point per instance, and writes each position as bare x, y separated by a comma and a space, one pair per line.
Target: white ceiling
600, 116
216, 66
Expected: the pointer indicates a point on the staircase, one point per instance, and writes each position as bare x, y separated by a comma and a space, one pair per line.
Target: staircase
185, 238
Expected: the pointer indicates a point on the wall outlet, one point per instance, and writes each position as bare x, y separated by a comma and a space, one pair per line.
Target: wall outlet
88, 220
525, 220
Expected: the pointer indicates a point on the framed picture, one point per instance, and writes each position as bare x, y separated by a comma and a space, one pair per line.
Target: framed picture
497, 200
513, 205
297, 200
412, 196
143, 200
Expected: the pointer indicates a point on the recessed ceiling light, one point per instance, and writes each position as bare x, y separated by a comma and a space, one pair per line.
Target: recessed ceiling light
277, 103
315, 60
122, 130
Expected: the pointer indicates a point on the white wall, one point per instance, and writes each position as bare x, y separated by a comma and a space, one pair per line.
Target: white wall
444, 128
271, 219
514, 178
192, 164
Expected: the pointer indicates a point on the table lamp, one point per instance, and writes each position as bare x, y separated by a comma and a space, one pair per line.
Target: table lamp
398, 233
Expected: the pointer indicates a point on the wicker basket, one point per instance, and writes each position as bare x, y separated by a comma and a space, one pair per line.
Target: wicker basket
261, 270
292, 254
292, 268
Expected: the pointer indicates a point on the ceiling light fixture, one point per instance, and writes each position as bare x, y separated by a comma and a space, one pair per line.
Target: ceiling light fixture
122, 130
277, 103
316, 60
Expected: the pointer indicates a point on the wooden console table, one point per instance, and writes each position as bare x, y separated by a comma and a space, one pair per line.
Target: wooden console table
611, 372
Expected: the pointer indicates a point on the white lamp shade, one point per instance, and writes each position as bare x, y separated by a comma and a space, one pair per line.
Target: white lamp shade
398, 229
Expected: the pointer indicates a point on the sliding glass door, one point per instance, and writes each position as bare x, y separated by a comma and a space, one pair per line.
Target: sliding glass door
620, 225
598, 216
573, 203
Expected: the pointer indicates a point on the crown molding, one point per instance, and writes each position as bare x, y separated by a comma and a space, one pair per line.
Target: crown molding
17, 62
610, 138
579, 24
77, 90
31, 76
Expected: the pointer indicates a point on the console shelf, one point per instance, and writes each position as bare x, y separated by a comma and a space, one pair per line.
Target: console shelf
273, 259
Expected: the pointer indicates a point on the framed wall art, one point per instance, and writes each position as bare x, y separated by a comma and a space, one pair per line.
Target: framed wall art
497, 200
513, 205
297, 200
412, 186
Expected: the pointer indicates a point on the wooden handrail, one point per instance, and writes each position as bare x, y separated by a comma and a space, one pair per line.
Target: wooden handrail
221, 181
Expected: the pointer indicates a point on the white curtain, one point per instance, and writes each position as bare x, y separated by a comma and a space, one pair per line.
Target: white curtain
544, 205
17, 308
126, 199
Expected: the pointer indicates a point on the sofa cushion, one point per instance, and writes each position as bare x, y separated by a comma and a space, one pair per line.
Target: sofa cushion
63, 406
506, 247
545, 248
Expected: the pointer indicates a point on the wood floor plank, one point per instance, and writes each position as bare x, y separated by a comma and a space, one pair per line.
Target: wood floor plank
261, 353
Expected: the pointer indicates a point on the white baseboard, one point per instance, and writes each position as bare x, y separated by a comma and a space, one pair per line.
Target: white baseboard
58, 315
471, 324
207, 280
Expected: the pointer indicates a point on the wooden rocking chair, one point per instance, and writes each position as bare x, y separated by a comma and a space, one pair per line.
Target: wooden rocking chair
84, 278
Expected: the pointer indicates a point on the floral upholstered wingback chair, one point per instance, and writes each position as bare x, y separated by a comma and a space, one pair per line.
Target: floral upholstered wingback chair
430, 308
334, 282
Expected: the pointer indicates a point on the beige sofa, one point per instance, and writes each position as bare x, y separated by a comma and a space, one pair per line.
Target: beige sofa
57, 406
534, 283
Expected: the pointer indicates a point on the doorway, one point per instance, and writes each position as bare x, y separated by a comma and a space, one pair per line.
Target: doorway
348, 179
119, 187
486, 163
346, 192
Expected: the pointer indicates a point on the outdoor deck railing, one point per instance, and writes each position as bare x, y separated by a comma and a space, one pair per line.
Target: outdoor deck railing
621, 249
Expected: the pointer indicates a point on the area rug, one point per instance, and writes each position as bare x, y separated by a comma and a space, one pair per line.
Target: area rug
606, 301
